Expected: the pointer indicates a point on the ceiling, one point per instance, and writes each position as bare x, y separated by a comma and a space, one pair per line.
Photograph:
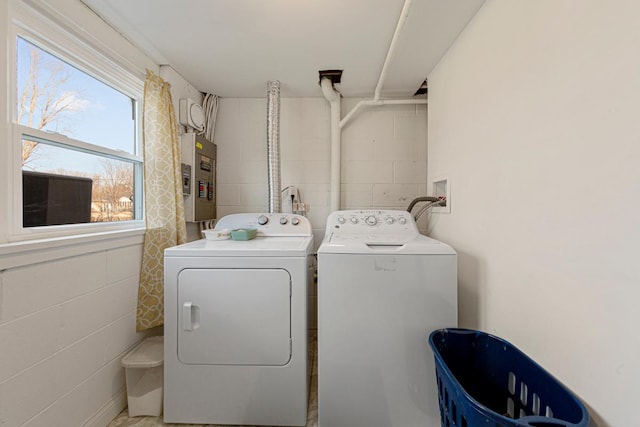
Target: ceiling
233, 47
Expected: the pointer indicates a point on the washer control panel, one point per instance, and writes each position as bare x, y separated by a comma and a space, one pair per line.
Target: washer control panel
268, 224
371, 221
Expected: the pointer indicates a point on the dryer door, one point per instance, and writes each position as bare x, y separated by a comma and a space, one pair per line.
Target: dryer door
234, 317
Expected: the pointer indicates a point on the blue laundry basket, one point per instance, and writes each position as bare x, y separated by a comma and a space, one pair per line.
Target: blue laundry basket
485, 381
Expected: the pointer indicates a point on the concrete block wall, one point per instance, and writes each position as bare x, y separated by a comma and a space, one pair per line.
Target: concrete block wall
384, 155
384, 160
64, 326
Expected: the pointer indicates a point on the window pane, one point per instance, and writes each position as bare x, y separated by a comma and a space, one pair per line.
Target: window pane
64, 186
55, 96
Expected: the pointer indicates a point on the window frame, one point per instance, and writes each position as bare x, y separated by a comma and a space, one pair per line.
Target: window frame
70, 49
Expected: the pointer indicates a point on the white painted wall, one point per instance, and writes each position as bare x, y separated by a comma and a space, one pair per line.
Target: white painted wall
180, 88
67, 307
383, 152
534, 116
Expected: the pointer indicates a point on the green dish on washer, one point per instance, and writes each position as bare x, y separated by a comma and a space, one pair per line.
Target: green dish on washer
244, 234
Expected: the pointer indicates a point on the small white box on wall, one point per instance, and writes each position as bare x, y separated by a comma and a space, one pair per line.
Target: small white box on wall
191, 114
441, 188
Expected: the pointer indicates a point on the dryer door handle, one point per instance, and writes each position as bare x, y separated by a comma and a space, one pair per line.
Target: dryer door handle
190, 316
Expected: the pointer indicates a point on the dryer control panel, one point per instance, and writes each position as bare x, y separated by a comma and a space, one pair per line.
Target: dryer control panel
268, 224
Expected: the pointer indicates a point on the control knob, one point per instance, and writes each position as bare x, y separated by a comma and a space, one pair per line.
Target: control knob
371, 220
262, 219
341, 219
390, 220
283, 220
295, 221
354, 220
402, 220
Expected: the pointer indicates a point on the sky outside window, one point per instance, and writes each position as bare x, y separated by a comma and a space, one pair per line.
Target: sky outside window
78, 105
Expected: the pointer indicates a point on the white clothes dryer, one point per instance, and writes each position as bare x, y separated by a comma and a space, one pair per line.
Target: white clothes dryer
236, 325
382, 288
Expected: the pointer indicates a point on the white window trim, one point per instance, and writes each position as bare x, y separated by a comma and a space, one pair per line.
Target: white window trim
65, 141
67, 47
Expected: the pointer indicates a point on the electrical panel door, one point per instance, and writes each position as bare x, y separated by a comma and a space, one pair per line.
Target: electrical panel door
200, 154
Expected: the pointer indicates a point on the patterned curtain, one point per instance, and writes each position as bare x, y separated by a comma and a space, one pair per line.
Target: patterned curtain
164, 208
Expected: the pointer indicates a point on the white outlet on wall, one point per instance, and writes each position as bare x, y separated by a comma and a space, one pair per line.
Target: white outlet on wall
291, 193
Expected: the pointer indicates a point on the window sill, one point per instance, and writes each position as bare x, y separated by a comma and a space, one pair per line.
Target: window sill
19, 254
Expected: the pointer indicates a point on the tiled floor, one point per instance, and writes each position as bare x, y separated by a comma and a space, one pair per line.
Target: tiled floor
123, 419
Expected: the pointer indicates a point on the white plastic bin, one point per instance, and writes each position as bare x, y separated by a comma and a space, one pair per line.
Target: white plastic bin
143, 369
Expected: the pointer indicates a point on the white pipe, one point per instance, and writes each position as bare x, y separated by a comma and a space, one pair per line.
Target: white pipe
334, 101
392, 48
383, 73
337, 124
374, 103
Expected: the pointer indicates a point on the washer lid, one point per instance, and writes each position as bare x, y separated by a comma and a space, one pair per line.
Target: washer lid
289, 246
338, 243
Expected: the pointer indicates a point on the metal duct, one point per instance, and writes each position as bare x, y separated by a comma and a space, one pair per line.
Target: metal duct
273, 145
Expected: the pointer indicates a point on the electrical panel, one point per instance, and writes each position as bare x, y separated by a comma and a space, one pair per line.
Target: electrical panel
198, 177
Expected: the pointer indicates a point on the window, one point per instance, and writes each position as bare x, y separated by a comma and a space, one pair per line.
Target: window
76, 140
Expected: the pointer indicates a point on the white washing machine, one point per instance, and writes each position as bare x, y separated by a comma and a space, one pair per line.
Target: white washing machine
236, 325
382, 288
